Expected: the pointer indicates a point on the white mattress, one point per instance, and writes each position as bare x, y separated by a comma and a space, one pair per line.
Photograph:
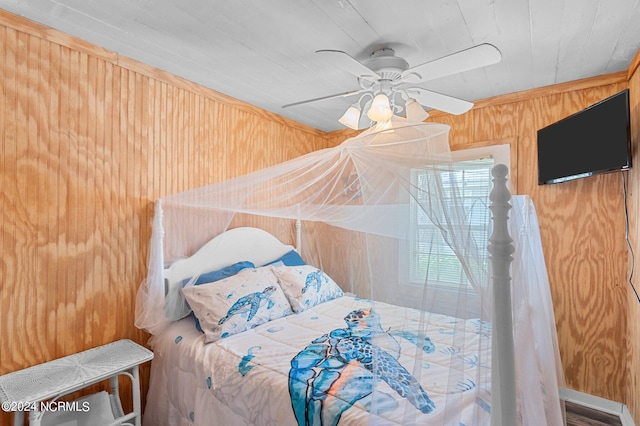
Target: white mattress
243, 379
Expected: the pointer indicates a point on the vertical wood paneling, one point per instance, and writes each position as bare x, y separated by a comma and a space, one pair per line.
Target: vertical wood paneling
87, 146
52, 113
3, 181
633, 305
7, 272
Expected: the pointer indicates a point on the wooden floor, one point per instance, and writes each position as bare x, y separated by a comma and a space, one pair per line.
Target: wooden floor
578, 415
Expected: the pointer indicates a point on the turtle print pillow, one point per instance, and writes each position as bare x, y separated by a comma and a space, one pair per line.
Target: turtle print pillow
306, 286
238, 303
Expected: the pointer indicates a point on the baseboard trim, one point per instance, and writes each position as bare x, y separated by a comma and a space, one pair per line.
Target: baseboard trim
597, 403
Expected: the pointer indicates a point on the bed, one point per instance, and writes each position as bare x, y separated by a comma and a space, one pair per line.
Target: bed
325, 331
248, 378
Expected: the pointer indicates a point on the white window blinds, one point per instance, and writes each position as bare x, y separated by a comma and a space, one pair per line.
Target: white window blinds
429, 253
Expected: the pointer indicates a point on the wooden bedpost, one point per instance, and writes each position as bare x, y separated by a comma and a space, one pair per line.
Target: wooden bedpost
503, 385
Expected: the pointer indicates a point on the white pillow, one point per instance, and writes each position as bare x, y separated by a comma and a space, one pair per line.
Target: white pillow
238, 303
306, 286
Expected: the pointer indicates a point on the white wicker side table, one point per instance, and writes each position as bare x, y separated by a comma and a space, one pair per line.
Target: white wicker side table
30, 389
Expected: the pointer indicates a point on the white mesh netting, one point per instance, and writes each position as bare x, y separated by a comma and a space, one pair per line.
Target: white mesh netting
396, 219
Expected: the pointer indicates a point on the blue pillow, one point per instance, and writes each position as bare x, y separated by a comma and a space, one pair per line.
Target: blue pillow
217, 275
195, 319
289, 259
226, 272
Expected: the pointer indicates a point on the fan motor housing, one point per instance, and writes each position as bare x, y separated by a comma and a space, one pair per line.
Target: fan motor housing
386, 64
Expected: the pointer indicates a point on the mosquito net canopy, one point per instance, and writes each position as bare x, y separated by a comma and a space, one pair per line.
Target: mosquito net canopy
402, 224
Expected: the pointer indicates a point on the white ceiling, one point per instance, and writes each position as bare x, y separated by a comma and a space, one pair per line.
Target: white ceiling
262, 51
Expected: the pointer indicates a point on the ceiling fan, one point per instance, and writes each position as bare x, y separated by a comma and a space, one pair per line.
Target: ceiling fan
388, 84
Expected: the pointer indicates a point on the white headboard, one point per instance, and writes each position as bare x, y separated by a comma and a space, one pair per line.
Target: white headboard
235, 245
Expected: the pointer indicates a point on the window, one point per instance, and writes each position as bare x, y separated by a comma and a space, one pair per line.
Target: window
429, 253
472, 177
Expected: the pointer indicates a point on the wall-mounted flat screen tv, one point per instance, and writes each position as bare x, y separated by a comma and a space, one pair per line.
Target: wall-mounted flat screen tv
592, 141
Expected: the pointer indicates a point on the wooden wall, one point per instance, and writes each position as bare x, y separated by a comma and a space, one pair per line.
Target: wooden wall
582, 228
583, 232
633, 303
88, 141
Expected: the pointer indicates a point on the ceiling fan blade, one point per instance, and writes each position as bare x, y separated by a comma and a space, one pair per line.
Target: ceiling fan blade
343, 60
440, 102
474, 57
322, 98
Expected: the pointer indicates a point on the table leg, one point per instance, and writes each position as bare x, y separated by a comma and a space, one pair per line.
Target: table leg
115, 390
135, 388
35, 418
18, 418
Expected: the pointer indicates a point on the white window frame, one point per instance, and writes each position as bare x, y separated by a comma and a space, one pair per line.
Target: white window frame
500, 155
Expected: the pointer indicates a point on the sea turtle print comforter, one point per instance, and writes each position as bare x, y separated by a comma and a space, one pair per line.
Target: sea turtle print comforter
343, 362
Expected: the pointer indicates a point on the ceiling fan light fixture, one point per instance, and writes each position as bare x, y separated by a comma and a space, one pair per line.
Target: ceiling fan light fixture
384, 76
380, 109
414, 111
351, 117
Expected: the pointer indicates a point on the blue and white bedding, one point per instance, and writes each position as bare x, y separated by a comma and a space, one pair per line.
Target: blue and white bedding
261, 376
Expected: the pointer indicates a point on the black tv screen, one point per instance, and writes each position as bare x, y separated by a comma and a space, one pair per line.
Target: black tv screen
592, 141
